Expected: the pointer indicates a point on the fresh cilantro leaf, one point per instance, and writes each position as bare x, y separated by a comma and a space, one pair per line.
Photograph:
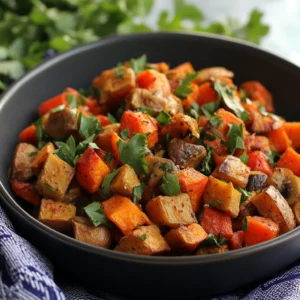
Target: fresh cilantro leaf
144, 237
163, 118
245, 195
244, 158
215, 203
184, 88
133, 153
207, 136
208, 163
235, 136
96, 214
215, 121
170, 184
216, 133
49, 188
72, 100
210, 108
167, 167
124, 133
120, 111
194, 111
147, 110
81, 147
66, 151
273, 157
138, 64
89, 126
34, 153
263, 111
245, 224
105, 187
108, 157
119, 70
111, 118
138, 192
215, 240
40, 133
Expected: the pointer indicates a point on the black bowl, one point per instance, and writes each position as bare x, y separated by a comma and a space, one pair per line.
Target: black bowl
169, 277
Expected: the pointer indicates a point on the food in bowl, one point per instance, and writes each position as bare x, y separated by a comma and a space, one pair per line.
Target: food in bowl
160, 161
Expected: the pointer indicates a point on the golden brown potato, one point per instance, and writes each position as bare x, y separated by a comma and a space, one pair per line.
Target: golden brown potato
223, 196
72, 194
212, 250
57, 215
233, 170
296, 211
61, 124
171, 211
102, 139
86, 232
206, 74
54, 178
146, 240
185, 238
21, 166
124, 182
41, 157
270, 204
287, 184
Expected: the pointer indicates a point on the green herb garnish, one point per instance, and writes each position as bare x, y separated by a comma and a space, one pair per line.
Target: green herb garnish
143, 237
89, 126
215, 203
163, 118
138, 64
111, 118
72, 100
273, 157
105, 187
108, 157
167, 167
244, 158
208, 163
245, 195
49, 188
96, 214
170, 185
235, 136
124, 133
138, 192
34, 153
146, 110
184, 88
119, 70
245, 224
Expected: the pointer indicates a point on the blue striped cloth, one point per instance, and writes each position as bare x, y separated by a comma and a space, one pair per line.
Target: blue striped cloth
26, 274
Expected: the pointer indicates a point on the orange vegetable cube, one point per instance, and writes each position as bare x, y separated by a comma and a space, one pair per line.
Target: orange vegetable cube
290, 159
27, 135
292, 130
237, 240
279, 139
257, 161
39, 160
26, 191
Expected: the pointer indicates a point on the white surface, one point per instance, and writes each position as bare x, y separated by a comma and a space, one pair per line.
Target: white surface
283, 16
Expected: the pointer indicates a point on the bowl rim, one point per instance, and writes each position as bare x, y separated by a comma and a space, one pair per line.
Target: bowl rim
174, 260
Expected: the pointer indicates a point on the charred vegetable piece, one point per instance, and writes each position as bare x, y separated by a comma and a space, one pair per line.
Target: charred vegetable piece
26, 191
124, 182
185, 154
86, 232
21, 166
185, 238
257, 181
55, 177
124, 214
57, 215
171, 211
61, 124
233, 170
208, 73
222, 195
270, 204
40, 158
146, 240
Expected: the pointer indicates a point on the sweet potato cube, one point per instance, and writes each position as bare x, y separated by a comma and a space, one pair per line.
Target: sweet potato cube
91, 170
171, 211
146, 240
271, 204
39, 160
233, 170
223, 196
125, 181
102, 139
54, 178
57, 215
193, 183
124, 214
86, 232
185, 238
21, 166
26, 191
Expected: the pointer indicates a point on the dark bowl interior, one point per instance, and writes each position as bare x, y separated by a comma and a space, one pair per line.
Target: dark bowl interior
168, 277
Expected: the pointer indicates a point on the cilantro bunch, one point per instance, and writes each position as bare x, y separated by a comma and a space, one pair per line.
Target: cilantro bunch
32, 30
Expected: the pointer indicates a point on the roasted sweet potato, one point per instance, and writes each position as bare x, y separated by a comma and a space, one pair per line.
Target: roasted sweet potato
21, 166
222, 195
28, 135
91, 170
237, 240
86, 232
54, 178
233, 170
124, 182
26, 191
290, 159
185, 238
102, 139
292, 130
124, 214
206, 94
258, 161
39, 159
279, 140
272, 205
171, 211
57, 215
146, 240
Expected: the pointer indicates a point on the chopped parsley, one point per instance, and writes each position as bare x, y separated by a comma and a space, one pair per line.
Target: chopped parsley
245, 224
143, 237
244, 158
146, 110
208, 163
89, 126
119, 70
184, 88
124, 133
139, 64
215, 203
105, 187
40, 133
163, 118
245, 195
108, 157
49, 188
138, 192
72, 100
235, 136
273, 157
34, 153
167, 167
111, 118
215, 240
194, 111
210, 108
215, 121
170, 185
96, 214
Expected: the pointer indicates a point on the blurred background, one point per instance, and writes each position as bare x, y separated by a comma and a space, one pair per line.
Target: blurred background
34, 30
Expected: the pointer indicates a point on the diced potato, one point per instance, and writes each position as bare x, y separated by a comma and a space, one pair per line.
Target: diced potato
171, 211
185, 238
72, 195
21, 166
86, 232
54, 178
146, 240
41, 157
57, 215
125, 181
232, 169
270, 204
296, 210
102, 139
224, 196
212, 250
61, 124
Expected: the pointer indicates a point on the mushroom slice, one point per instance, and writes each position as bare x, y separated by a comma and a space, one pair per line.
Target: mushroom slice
207, 73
